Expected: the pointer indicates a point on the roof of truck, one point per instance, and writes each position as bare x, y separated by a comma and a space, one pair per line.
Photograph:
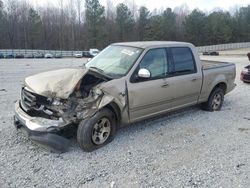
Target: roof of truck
148, 44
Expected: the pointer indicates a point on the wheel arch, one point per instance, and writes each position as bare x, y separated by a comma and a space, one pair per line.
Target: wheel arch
206, 104
113, 107
221, 85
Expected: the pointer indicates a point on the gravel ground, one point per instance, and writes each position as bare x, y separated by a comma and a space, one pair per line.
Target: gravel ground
190, 148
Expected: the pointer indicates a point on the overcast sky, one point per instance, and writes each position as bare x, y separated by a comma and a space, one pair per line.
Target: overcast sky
207, 5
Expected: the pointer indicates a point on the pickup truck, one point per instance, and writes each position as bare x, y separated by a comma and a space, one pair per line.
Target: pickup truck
125, 83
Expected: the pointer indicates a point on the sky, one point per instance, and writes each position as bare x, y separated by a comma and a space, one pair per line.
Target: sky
205, 5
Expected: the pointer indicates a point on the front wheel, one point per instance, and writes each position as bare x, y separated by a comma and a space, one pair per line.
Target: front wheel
215, 100
96, 131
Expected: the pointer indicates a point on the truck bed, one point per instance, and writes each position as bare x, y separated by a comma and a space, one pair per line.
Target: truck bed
208, 64
216, 71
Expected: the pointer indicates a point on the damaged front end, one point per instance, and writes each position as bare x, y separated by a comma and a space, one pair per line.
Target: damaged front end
45, 111
42, 130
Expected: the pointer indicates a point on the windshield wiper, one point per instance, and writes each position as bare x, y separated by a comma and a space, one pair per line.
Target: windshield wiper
101, 72
98, 69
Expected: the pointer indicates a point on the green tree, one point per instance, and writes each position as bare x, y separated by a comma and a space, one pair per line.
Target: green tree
1, 11
143, 22
62, 27
155, 30
124, 22
168, 24
195, 27
110, 26
2, 25
242, 24
161, 27
95, 19
34, 29
218, 27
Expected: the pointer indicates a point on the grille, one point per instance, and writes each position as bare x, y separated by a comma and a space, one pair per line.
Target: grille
35, 105
28, 100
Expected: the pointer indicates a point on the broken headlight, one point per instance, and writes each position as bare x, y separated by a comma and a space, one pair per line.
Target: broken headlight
56, 102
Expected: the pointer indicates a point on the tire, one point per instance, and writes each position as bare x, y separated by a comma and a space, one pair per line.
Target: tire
215, 100
96, 131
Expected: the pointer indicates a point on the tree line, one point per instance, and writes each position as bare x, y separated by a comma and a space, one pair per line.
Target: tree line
84, 24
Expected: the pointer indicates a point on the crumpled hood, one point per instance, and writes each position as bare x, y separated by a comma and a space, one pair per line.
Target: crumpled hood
58, 83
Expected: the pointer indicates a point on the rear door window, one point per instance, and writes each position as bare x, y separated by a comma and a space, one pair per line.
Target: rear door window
183, 60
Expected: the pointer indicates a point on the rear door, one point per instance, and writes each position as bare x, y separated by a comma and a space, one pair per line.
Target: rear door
185, 80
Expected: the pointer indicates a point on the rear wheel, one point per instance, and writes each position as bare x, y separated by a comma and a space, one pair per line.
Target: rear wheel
215, 100
96, 131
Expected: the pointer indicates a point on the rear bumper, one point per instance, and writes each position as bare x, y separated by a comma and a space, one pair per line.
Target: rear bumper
41, 130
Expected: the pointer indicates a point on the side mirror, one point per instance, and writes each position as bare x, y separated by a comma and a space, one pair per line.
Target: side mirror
144, 73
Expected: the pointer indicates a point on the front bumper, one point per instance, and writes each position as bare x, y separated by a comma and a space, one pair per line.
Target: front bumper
37, 123
40, 130
245, 77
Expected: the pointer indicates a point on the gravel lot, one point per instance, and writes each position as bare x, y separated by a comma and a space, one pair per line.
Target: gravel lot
190, 148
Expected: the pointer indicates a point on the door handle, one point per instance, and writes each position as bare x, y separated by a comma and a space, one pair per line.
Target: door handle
194, 79
165, 85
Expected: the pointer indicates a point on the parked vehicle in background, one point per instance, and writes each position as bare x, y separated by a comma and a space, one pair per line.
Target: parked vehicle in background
87, 54
19, 56
126, 83
211, 53
28, 56
245, 74
94, 52
38, 55
1, 56
58, 56
9, 56
78, 55
214, 53
205, 53
48, 55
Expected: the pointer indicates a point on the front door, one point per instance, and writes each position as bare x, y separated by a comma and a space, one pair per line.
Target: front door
148, 96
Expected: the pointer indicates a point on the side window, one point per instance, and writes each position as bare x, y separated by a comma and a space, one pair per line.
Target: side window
155, 61
183, 60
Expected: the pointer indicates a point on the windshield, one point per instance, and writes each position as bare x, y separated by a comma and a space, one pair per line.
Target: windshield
115, 61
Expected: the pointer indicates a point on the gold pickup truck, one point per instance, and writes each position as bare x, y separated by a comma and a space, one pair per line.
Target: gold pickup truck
125, 83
